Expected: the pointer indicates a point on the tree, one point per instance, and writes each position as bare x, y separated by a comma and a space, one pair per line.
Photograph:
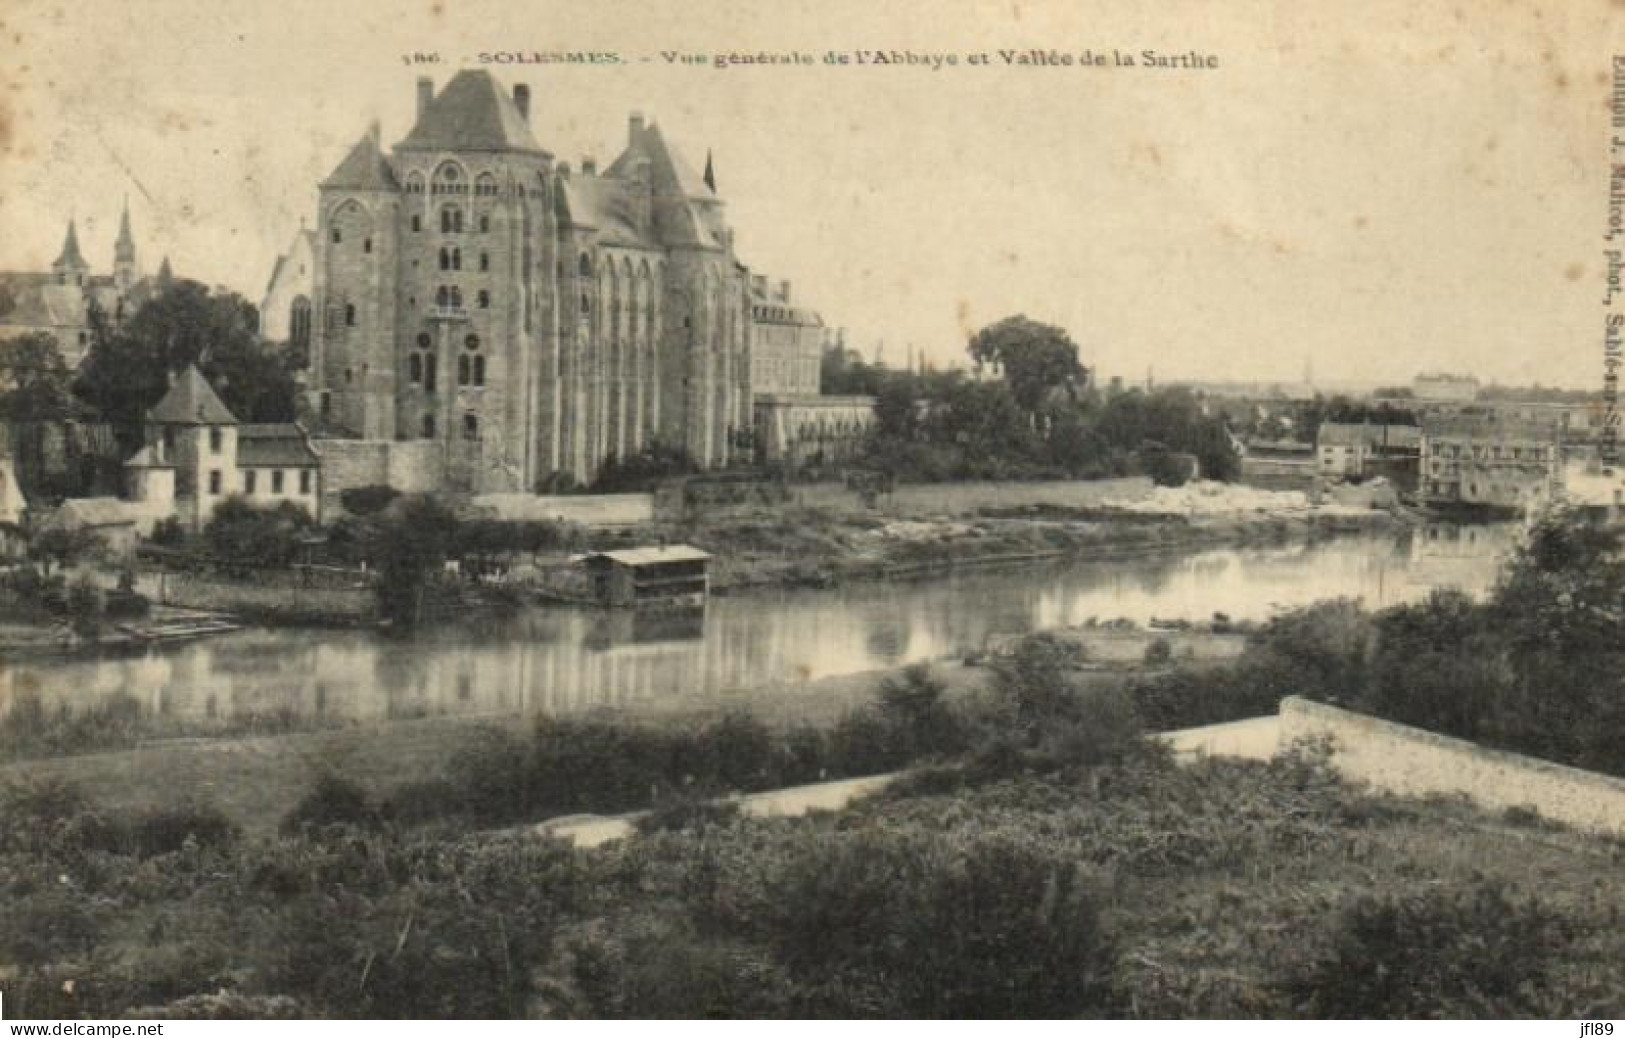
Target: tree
1036, 359
241, 533
35, 394
126, 371
408, 545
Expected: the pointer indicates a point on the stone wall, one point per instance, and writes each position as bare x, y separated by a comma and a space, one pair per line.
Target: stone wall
410, 466
1412, 762
595, 511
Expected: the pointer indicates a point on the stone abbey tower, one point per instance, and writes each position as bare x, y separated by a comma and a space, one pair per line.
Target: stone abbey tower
532, 320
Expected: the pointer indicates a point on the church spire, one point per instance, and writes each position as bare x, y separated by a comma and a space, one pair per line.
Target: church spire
710, 172
124, 248
71, 256
124, 273
70, 267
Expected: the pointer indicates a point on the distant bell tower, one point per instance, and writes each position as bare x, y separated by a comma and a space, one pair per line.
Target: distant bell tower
70, 267
124, 270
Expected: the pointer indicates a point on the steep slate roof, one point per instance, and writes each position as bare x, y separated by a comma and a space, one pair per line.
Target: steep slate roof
596, 202
274, 445
472, 113
35, 299
364, 169
91, 512
70, 250
147, 458
191, 401
671, 172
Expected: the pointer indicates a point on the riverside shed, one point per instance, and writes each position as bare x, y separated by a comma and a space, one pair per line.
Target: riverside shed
665, 576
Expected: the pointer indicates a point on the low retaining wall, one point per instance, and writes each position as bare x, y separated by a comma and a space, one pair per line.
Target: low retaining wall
305, 604
595, 511
1412, 762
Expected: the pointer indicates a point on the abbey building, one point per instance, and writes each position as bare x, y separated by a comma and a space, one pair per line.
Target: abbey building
528, 320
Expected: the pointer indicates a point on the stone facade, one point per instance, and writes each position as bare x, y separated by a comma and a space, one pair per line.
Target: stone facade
531, 320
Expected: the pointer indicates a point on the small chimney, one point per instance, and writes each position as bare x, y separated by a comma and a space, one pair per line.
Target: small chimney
634, 127
375, 132
521, 100
758, 284
784, 292
425, 94
589, 166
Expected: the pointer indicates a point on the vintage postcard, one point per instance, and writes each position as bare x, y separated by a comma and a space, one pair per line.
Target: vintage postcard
610, 510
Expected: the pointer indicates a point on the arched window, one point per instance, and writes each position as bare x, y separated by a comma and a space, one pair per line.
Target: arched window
456, 298
448, 180
485, 223
485, 261
414, 183
485, 299
415, 364
456, 259
479, 370
442, 296
428, 427
485, 185
586, 305
471, 426
366, 245
464, 369
584, 268
417, 223
430, 364
451, 220
338, 236
445, 259
349, 314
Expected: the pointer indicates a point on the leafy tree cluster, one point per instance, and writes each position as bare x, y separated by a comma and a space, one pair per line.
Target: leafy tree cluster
1027, 411
1537, 668
127, 369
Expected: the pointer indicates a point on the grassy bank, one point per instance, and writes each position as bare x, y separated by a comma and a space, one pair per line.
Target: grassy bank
1142, 890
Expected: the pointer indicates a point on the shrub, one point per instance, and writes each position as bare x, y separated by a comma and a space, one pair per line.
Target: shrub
928, 926
1159, 653
332, 801
1475, 952
368, 500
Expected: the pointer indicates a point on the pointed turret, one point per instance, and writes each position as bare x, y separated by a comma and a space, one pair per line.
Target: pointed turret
70, 267
710, 172
124, 272
165, 274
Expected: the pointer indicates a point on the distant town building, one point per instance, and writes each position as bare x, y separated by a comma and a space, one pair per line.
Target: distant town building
1280, 465
1445, 387
58, 302
1360, 449
13, 505
1483, 461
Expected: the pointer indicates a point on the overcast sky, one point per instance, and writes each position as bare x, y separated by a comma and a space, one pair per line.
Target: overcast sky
1373, 188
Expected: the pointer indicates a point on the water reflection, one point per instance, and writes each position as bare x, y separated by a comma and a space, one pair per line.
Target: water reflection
568, 660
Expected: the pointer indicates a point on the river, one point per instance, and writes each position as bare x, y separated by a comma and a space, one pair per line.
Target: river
763, 644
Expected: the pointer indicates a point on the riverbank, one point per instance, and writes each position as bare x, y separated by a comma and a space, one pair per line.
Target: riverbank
811, 549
